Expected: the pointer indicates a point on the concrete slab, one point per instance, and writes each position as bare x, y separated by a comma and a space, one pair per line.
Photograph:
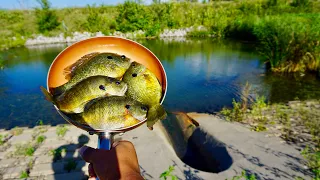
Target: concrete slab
47, 169
14, 172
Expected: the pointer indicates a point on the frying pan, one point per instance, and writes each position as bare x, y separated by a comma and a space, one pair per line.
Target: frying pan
133, 50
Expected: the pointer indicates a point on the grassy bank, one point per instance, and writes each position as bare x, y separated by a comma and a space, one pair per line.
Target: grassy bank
296, 122
288, 31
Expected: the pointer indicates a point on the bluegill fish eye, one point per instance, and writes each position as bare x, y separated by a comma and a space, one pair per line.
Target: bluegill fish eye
109, 57
118, 82
133, 65
144, 108
134, 75
127, 106
102, 87
123, 56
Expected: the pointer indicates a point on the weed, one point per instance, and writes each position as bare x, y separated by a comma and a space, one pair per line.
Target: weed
2, 139
16, 131
24, 175
244, 176
313, 158
40, 122
57, 153
234, 114
168, 173
61, 130
259, 128
40, 139
24, 150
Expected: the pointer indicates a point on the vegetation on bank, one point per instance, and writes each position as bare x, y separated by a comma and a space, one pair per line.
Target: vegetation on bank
296, 122
288, 32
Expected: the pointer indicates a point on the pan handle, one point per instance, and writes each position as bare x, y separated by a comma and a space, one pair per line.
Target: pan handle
105, 140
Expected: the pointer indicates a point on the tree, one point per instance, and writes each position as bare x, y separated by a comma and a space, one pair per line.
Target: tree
47, 20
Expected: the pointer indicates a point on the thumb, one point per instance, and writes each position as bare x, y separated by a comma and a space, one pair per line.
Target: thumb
88, 153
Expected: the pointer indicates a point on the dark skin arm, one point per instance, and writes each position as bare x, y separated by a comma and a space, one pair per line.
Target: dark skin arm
118, 163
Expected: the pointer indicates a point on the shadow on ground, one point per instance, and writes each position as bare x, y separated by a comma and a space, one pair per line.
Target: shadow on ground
67, 163
194, 146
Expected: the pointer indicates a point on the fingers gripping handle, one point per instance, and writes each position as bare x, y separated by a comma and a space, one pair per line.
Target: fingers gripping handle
105, 141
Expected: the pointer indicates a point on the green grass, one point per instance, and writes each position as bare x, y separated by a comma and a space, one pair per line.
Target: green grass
61, 131
24, 175
313, 158
167, 174
2, 139
40, 139
24, 150
244, 176
16, 131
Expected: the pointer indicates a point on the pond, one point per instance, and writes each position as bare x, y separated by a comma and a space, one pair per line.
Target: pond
203, 76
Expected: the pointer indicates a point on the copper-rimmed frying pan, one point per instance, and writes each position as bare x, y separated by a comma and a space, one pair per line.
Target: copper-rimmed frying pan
133, 50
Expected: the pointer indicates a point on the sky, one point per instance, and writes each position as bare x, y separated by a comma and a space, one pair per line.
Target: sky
28, 4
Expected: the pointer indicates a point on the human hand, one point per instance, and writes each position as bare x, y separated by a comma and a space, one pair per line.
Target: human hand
118, 163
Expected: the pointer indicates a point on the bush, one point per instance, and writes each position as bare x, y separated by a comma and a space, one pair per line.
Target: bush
96, 22
290, 43
132, 17
47, 19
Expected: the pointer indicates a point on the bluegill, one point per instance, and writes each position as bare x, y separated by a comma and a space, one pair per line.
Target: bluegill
144, 87
109, 113
94, 64
74, 99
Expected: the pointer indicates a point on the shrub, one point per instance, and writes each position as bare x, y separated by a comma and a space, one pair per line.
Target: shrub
290, 43
132, 17
47, 20
95, 21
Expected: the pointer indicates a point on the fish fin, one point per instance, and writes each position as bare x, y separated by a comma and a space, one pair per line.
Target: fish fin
77, 118
155, 114
89, 103
68, 71
58, 90
48, 96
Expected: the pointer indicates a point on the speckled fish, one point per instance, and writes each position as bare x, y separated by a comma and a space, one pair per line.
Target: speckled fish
94, 64
144, 87
74, 99
112, 112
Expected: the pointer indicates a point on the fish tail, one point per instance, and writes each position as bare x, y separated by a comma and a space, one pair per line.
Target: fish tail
58, 90
155, 114
47, 94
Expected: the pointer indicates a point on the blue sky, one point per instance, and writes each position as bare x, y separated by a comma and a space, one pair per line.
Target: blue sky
15, 4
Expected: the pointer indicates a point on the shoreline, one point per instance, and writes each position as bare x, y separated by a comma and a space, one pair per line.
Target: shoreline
78, 36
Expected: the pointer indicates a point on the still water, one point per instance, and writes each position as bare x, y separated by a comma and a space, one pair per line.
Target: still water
203, 76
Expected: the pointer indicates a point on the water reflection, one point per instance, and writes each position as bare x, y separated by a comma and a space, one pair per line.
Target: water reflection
203, 75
